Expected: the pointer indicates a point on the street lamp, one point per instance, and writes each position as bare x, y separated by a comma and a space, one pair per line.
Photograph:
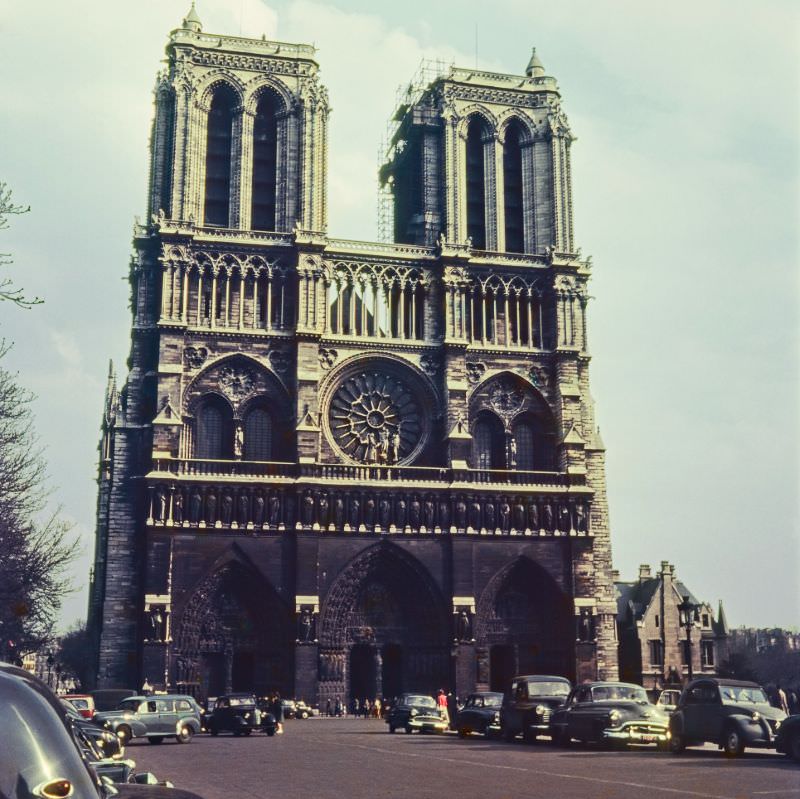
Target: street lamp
688, 615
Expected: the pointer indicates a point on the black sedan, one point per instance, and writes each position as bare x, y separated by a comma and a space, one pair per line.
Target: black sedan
527, 707
788, 738
416, 712
610, 713
481, 714
239, 714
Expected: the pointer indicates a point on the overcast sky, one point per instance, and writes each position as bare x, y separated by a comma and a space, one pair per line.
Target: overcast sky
686, 195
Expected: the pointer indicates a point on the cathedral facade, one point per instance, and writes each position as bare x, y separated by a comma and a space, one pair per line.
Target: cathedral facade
341, 468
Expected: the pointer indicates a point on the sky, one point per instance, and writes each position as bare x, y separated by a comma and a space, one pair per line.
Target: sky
685, 175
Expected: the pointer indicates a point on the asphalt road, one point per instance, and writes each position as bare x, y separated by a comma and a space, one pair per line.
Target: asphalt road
325, 758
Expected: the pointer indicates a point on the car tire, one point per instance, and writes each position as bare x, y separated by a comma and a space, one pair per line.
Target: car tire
270, 733
156, 739
408, 729
732, 744
463, 732
793, 747
124, 734
213, 730
528, 737
561, 738
392, 728
677, 743
185, 735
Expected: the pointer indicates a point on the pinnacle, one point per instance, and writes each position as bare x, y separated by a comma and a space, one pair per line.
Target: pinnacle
192, 21
535, 68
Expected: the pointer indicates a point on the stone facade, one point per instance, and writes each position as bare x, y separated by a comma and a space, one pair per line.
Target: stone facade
342, 468
652, 642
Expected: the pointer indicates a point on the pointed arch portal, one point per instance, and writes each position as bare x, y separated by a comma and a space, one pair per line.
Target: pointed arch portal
383, 629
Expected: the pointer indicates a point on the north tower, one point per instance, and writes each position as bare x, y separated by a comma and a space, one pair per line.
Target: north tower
342, 468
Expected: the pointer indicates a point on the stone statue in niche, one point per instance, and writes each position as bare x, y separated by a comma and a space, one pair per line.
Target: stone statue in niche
475, 514
490, 517
226, 508
401, 511
429, 511
512, 453
461, 514
518, 513
244, 508
580, 517
384, 512
586, 625
547, 516
238, 442
564, 520
338, 512
177, 507
444, 513
161, 505
369, 512
274, 509
463, 625
415, 516
505, 515
195, 504
258, 509
355, 511
533, 515
306, 625
308, 509
322, 509
211, 507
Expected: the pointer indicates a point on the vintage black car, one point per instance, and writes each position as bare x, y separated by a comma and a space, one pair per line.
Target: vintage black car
528, 705
730, 713
481, 713
787, 740
239, 714
416, 712
44, 754
154, 718
610, 713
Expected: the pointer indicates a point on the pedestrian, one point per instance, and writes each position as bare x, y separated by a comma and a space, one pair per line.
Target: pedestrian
376, 707
781, 697
328, 707
441, 701
365, 708
452, 709
338, 708
356, 708
276, 708
793, 702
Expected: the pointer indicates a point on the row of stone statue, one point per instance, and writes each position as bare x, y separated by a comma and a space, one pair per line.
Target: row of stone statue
255, 508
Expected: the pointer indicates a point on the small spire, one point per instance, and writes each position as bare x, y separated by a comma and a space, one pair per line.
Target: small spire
535, 68
191, 22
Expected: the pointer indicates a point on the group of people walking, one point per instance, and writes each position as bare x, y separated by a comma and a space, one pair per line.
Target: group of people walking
359, 708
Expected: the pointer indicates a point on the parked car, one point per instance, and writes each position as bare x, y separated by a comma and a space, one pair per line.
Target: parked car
527, 707
154, 718
83, 703
787, 740
610, 713
239, 714
416, 712
289, 708
480, 713
668, 700
730, 713
46, 752
301, 710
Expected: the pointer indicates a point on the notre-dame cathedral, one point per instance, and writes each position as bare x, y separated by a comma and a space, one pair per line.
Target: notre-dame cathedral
348, 468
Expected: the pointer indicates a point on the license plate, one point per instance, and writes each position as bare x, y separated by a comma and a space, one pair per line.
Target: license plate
648, 738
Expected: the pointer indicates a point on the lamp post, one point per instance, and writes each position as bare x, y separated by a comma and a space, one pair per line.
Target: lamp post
688, 613
58, 675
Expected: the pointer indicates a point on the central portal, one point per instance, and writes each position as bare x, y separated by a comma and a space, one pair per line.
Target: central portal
363, 673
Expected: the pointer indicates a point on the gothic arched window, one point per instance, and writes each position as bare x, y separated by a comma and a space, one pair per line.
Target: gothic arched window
488, 443
523, 436
213, 434
265, 162
258, 435
476, 191
167, 109
535, 442
218, 158
512, 183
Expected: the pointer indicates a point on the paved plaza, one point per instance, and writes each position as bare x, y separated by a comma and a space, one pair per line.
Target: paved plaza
341, 758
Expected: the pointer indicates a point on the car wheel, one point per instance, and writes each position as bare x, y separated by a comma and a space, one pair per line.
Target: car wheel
528, 737
124, 734
392, 728
213, 730
156, 739
185, 735
463, 732
561, 738
408, 729
270, 733
677, 743
732, 743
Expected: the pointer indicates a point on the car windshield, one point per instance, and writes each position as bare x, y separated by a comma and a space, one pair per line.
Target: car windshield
81, 704
554, 688
129, 704
237, 701
669, 698
606, 693
422, 701
733, 694
489, 700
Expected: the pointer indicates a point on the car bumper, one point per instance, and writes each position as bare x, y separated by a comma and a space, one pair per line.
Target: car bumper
538, 729
638, 733
428, 725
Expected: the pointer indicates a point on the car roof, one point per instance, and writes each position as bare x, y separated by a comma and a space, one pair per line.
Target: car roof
486, 693
725, 681
541, 678
599, 683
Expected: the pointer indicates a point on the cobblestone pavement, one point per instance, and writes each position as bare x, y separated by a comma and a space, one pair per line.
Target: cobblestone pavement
341, 758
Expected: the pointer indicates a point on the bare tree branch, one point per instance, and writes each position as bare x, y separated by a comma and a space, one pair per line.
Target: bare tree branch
7, 290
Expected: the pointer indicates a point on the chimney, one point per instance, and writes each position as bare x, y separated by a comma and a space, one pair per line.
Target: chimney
615, 575
667, 569
644, 572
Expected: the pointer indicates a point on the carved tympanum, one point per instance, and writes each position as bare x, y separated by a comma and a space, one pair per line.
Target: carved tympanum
236, 381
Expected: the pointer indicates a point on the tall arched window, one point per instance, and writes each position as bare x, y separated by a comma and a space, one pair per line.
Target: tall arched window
218, 158
265, 162
535, 440
258, 435
213, 435
512, 183
476, 199
488, 443
523, 436
167, 109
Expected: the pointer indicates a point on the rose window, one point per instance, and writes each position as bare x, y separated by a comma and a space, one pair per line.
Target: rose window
375, 418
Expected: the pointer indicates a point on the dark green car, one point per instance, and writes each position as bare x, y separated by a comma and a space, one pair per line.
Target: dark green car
730, 713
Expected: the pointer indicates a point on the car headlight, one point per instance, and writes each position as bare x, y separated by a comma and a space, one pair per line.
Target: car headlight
756, 716
413, 712
777, 724
496, 718
614, 716
540, 710
247, 715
